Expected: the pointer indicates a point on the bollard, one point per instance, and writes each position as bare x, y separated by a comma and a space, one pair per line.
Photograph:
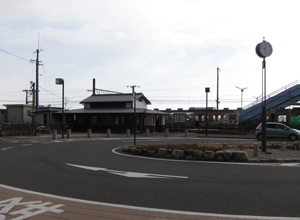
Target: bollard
186, 132
54, 136
147, 132
255, 150
68, 133
128, 132
108, 132
283, 146
89, 133
167, 132
224, 146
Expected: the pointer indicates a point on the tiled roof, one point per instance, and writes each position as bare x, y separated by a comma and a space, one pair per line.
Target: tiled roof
124, 97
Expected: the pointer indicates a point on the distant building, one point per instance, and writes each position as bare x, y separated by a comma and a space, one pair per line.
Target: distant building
18, 112
115, 112
22, 113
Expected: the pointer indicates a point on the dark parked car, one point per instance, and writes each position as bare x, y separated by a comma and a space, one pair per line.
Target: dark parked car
278, 131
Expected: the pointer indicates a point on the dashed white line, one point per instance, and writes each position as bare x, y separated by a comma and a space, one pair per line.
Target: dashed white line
24, 145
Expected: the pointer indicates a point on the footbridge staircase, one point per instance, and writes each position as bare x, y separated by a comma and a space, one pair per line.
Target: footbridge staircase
283, 97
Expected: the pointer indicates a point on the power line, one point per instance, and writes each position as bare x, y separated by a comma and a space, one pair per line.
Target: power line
15, 55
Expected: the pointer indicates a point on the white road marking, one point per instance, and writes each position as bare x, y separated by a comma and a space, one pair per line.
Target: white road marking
33, 208
24, 145
128, 174
290, 164
4, 149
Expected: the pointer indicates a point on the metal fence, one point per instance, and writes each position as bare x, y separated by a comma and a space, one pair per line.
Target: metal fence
17, 128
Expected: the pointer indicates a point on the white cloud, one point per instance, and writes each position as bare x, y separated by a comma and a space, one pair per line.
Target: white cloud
169, 47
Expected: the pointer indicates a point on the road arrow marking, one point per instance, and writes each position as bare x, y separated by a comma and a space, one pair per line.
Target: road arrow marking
128, 174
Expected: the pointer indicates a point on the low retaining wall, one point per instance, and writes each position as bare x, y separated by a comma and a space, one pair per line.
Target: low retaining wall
207, 155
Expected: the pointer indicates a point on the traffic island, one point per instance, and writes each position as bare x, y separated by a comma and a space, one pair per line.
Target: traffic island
206, 155
237, 152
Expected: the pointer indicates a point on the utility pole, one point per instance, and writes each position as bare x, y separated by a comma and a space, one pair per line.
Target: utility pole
37, 80
26, 90
33, 105
218, 69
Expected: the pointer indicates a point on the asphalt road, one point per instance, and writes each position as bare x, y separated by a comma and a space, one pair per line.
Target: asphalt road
89, 170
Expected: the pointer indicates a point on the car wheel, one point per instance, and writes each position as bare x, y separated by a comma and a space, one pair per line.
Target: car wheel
293, 137
259, 136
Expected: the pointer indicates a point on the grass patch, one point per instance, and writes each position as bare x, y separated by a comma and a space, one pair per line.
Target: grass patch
201, 146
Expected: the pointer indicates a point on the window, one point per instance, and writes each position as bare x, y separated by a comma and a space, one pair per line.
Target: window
281, 118
282, 127
179, 118
94, 120
106, 120
80, 119
271, 125
202, 118
115, 120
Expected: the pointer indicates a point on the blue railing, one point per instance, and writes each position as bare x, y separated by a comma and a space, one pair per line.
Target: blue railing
259, 100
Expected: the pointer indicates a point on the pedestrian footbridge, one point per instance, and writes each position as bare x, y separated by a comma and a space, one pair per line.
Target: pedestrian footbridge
283, 97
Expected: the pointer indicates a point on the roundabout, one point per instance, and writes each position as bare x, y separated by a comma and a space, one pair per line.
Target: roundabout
91, 171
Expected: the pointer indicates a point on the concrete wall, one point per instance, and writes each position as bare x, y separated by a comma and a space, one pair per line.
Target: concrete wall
18, 113
141, 104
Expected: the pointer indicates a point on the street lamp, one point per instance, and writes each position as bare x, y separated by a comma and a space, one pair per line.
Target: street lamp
60, 81
218, 69
242, 90
207, 90
134, 114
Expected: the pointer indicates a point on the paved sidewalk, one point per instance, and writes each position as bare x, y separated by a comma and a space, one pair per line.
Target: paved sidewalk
21, 204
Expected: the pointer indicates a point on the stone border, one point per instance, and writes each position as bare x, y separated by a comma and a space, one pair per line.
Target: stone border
217, 155
207, 155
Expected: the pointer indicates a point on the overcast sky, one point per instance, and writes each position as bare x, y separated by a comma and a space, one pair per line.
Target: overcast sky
170, 48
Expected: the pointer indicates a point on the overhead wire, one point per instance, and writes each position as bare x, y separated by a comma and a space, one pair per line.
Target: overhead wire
15, 55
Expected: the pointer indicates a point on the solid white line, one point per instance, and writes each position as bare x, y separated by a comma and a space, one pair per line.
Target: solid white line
290, 164
144, 208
